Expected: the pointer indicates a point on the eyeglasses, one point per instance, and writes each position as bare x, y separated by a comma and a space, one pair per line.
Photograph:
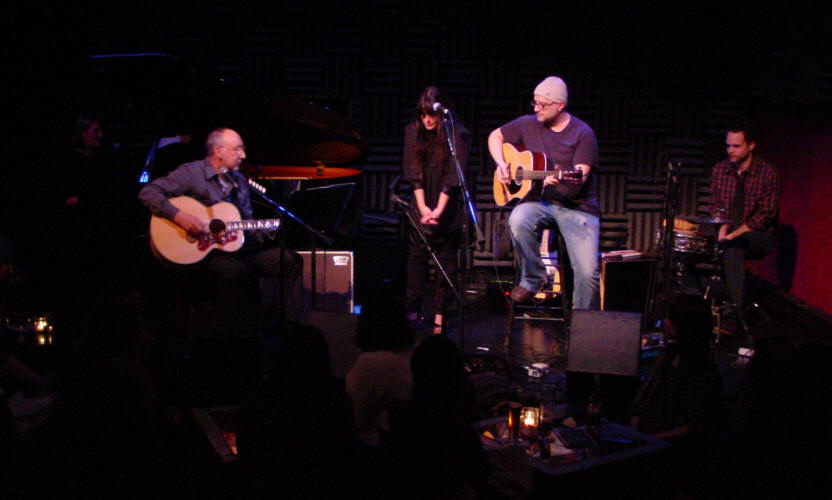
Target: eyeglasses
540, 105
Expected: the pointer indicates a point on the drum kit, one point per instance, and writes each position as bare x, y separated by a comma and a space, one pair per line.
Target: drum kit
695, 247
689, 239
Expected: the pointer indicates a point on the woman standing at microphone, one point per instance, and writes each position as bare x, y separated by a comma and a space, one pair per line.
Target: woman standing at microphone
429, 166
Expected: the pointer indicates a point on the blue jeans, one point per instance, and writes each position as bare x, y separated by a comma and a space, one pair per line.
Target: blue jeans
580, 231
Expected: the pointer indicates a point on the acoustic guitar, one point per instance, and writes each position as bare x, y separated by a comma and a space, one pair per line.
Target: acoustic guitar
225, 232
524, 168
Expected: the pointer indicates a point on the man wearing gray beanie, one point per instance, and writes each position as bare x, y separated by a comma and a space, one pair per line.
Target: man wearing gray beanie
568, 144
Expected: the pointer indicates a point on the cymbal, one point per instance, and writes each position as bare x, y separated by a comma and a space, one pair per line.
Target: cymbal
710, 220
303, 173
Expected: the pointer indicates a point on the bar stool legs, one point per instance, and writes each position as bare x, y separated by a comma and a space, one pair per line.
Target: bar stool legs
541, 308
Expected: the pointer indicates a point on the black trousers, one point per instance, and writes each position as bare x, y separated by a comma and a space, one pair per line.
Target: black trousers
752, 245
446, 246
237, 280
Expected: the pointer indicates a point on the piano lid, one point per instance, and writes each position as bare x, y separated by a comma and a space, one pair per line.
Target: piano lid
175, 98
289, 130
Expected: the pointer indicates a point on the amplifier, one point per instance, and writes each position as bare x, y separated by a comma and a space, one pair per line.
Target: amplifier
333, 281
626, 284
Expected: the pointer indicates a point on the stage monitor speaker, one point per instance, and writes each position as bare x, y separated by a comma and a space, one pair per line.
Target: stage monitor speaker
606, 342
334, 277
339, 331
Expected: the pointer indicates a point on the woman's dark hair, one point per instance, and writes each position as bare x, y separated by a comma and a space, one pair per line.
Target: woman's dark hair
427, 140
440, 383
430, 96
438, 369
383, 325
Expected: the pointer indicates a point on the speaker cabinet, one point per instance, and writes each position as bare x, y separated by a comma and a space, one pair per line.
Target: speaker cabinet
626, 285
333, 281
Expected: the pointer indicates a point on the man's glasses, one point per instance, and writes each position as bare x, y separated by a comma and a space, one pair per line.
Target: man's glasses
540, 105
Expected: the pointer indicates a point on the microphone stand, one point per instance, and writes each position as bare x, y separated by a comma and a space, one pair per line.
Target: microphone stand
326, 240
470, 212
671, 196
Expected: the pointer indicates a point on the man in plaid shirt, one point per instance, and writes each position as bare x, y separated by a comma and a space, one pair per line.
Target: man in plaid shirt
746, 189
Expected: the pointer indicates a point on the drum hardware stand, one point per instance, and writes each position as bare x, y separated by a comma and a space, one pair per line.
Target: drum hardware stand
715, 296
713, 292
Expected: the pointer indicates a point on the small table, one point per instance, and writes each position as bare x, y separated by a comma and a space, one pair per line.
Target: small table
618, 442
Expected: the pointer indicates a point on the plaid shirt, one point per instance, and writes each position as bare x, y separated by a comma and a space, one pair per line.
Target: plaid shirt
762, 193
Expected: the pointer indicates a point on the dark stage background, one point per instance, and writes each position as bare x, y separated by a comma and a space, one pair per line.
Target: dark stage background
655, 85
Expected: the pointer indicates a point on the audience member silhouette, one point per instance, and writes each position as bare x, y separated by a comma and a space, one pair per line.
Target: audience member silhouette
295, 434
784, 432
101, 435
681, 400
381, 373
682, 393
432, 447
14, 376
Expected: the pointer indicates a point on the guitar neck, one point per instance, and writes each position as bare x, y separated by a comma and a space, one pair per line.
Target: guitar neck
252, 225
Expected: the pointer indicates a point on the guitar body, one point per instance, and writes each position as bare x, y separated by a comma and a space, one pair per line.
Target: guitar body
518, 159
172, 243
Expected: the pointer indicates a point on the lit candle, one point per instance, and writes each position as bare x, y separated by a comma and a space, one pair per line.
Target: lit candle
531, 416
41, 324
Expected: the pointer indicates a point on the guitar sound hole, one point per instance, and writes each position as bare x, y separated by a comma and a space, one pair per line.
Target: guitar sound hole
216, 226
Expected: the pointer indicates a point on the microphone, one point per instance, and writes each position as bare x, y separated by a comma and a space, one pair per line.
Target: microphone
439, 108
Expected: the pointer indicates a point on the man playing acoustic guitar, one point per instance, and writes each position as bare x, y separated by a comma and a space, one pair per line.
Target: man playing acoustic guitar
211, 181
568, 143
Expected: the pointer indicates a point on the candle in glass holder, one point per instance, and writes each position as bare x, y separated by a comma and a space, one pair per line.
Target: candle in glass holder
530, 417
